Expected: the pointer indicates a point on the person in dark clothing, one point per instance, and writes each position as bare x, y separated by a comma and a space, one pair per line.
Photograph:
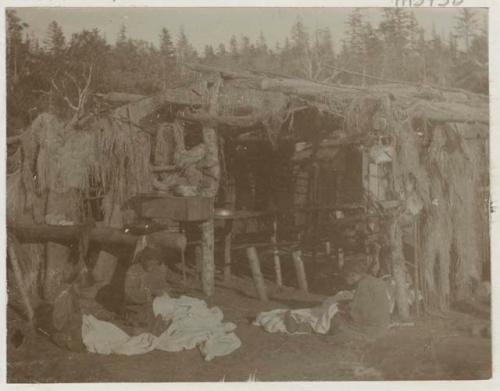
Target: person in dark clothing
368, 314
146, 279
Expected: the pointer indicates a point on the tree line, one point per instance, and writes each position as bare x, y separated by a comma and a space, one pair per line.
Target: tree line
47, 73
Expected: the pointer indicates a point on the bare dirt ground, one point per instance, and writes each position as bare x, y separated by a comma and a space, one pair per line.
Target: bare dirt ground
439, 347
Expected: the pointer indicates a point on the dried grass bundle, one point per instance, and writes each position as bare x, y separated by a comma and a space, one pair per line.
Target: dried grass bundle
108, 157
447, 176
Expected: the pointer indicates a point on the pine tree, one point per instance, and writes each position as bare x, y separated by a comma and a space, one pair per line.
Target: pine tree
221, 50
374, 51
233, 48
323, 56
245, 48
395, 28
167, 57
300, 38
466, 26
167, 49
14, 44
354, 47
55, 41
184, 50
261, 44
209, 52
122, 36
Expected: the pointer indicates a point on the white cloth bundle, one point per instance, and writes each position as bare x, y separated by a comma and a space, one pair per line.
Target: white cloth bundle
192, 324
319, 318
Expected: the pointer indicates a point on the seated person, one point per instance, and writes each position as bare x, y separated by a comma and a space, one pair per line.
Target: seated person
146, 278
368, 314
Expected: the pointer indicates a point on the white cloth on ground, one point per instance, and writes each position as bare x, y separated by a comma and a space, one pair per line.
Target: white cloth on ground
192, 324
319, 318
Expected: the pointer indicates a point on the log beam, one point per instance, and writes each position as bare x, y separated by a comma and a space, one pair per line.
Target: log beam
101, 235
248, 122
450, 112
120, 97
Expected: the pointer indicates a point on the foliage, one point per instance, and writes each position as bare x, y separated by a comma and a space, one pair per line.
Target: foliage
397, 48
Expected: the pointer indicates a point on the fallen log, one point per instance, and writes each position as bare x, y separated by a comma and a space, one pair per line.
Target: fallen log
450, 112
43, 233
285, 85
307, 89
134, 111
102, 235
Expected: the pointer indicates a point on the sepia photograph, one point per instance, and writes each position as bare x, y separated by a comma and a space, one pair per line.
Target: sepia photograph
247, 194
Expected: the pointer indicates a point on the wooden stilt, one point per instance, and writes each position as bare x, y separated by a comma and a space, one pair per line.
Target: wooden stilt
340, 258
416, 284
277, 267
300, 270
276, 256
19, 279
398, 270
328, 248
207, 258
183, 263
197, 257
253, 260
227, 249
208, 188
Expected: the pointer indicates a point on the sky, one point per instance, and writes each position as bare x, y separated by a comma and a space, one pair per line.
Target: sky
213, 25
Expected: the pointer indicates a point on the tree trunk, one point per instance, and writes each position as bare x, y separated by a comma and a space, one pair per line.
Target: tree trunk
207, 254
58, 267
300, 270
208, 188
106, 263
399, 269
253, 260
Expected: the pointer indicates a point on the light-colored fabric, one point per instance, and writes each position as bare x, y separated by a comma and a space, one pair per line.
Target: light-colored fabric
192, 324
101, 337
318, 318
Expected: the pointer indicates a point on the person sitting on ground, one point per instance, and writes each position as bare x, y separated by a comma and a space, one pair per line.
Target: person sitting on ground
146, 279
368, 314
364, 314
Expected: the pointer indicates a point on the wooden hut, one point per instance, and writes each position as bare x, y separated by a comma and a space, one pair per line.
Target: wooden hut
420, 154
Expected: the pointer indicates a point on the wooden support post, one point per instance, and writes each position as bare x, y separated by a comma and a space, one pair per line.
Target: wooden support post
208, 188
183, 263
328, 248
300, 270
197, 257
253, 260
340, 258
228, 228
19, 279
315, 235
207, 257
57, 265
398, 269
276, 255
416, 284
